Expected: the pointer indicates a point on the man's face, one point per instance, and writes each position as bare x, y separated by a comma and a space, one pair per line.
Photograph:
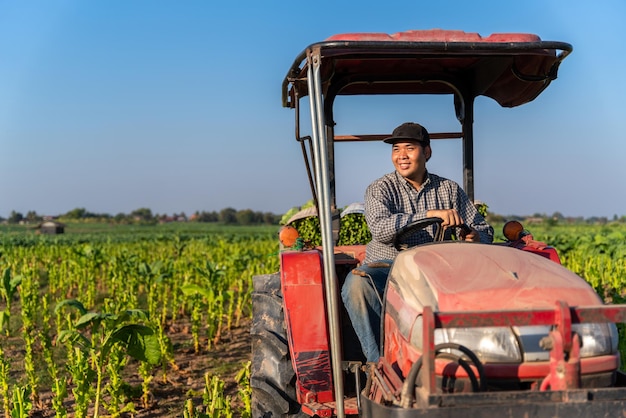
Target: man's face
409, 159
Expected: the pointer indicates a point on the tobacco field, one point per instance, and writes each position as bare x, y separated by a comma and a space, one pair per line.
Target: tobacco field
153, 321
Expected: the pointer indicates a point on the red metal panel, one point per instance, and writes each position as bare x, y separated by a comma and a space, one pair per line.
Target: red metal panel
547, 252
303, 295
436, 35
494, 318
428, 362
537, 370
579, 314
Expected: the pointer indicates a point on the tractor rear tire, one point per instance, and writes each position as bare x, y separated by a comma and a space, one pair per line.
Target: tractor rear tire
272, 378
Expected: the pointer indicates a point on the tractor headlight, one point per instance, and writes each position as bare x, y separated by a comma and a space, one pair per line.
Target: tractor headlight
597, 339
490, 344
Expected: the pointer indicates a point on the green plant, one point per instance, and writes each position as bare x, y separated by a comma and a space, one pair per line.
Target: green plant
4, 384
29, 299
59, 384
354, 230
21, 402
216, 404
481, 207
82, 375
8, 290
109, 331
245, 391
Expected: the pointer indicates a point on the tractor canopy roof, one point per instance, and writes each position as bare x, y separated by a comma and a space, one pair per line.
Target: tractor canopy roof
511, 68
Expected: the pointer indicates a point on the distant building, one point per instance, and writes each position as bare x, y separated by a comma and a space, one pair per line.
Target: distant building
534, 220
51, 227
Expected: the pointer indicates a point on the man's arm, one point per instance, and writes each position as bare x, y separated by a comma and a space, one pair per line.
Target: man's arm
481, 231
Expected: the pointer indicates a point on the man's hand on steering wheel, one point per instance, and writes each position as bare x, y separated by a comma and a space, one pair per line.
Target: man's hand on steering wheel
451, 218
470, 234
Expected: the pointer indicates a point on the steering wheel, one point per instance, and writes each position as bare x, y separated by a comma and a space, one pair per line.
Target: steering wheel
418, 225
415, 226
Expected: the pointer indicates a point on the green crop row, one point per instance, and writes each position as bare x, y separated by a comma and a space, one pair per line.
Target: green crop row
93, 308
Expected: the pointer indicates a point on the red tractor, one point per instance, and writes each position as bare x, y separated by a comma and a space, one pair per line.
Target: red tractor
485, 330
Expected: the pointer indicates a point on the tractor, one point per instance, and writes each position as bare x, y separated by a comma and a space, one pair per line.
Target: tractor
468, 329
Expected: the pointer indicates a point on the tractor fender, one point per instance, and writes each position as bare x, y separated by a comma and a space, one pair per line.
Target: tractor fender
307, 325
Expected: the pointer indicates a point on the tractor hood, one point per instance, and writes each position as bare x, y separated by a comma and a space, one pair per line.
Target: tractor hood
455, 276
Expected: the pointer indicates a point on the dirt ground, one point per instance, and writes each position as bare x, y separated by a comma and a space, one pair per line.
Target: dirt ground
187, 379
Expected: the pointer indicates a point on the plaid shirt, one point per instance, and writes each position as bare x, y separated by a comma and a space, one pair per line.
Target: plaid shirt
391, 203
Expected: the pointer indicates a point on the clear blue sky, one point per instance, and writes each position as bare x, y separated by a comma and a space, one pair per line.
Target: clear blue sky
175, 106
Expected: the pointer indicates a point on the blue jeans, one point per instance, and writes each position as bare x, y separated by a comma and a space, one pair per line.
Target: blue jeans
362, 297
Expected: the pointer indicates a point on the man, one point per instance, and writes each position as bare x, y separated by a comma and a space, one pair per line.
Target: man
393, 201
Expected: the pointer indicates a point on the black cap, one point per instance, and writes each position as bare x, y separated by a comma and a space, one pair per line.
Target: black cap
409, 131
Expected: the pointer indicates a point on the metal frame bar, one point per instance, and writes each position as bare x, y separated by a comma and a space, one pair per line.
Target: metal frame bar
324, 210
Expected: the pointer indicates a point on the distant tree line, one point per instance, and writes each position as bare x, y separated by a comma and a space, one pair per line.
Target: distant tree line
557, 218
233, 216
228, 216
